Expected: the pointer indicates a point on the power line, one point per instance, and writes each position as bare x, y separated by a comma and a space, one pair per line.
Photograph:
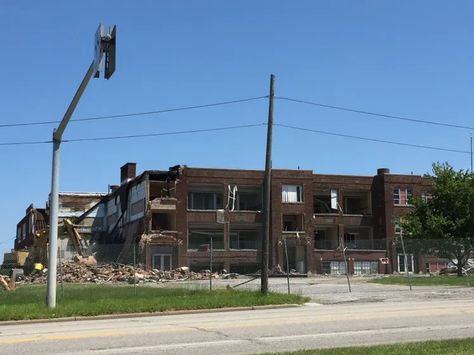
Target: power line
96, 118
130, 136
373, 139
24, 143
383, 115
165, 133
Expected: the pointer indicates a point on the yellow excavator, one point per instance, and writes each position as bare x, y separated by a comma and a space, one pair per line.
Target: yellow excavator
38, 251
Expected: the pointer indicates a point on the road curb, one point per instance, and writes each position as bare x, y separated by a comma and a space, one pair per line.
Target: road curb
147, 314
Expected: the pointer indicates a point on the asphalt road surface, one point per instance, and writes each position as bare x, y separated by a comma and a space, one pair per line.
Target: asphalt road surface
253, 331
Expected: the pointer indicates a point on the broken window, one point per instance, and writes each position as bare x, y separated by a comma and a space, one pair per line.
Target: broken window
205, 198
200, 235
245, 238
357, 202
292, 193
350, 240
163, 221
402, 196
361, 238
322, 201
248, 198
293, 223
161, 189
325, 238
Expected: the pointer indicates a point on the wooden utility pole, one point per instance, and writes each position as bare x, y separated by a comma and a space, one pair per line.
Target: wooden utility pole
267, 190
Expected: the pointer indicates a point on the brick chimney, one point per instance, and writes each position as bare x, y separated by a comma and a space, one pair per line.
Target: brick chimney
383, 171
127, 172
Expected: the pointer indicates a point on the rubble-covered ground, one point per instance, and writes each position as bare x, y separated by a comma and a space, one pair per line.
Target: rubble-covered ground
79, 272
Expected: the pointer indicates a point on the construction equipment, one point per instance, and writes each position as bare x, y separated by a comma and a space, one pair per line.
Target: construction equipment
15, 259
79, 242
38, 250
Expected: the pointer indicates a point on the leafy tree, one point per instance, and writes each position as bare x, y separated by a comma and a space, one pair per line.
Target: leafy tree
444, 224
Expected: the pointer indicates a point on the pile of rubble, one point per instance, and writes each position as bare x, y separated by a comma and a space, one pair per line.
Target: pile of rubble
83, 272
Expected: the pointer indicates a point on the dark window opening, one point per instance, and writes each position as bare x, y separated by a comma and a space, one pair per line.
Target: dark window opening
248, 199
293, 223
325, 239
322, 201
205, 200
245, 239
357, 202
201, 236
163, 221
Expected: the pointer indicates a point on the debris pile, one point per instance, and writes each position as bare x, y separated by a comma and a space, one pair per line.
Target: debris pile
83, 272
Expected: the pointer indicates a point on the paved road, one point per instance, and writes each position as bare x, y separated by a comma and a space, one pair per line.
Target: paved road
332, 290
309, 326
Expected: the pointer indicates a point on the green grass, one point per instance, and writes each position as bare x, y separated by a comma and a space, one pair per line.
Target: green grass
28, 302
443, 347
427, 281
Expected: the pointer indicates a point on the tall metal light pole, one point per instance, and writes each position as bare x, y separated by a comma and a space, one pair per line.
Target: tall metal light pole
105, 44
267, 190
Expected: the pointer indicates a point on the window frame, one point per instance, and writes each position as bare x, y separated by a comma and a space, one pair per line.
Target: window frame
299, 193
397, 196
215, 205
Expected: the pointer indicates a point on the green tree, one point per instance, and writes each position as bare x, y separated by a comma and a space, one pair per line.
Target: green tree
443, 225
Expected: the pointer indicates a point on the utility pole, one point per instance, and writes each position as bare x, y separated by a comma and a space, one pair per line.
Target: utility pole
407, 273
343, 248
267, 190
104, 44
210, 266
471, 154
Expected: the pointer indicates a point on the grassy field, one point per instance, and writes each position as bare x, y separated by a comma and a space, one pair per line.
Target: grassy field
427, 281
444, 347
28, 302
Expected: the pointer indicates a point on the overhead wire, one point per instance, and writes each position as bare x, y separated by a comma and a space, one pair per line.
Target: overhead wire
372, 139
133, 114
164, 133
226, 128
105, 138
375, 114
130, 136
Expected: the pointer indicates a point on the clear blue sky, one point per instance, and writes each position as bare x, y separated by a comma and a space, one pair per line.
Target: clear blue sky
411, 58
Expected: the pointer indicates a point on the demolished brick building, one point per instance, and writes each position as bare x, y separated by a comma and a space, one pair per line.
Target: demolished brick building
164, 217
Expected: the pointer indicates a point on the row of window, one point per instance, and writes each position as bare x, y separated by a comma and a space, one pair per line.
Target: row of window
338, 267
250, 199
403, 196
240, 199
199, 237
